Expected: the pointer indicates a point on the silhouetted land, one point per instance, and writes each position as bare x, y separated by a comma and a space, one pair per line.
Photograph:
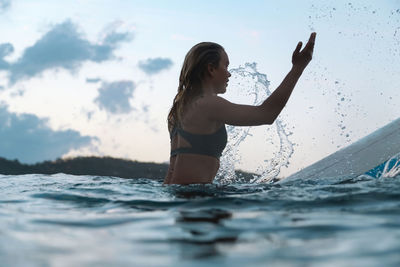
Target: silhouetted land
102, 166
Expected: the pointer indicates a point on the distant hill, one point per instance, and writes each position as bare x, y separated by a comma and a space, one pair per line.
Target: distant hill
102, 166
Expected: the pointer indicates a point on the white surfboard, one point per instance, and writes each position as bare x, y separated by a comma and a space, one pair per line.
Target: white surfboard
366, 155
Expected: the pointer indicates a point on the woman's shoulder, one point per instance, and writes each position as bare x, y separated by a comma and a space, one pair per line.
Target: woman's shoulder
206, 100
200, 107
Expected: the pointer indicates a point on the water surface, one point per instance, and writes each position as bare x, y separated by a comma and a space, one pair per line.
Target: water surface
66, 220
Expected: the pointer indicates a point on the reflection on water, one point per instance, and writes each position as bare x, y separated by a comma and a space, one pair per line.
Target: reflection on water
64, 220
203, 231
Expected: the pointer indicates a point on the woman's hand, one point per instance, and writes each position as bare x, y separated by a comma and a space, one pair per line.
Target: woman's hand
300, 59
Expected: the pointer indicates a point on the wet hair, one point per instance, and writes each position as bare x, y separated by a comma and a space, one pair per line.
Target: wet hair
194, 70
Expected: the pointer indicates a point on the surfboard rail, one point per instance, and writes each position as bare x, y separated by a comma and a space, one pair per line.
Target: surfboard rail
358, 158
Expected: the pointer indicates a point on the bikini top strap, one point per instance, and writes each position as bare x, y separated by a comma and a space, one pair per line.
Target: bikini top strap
173, 132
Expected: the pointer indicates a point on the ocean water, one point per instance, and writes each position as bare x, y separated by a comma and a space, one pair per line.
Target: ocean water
66, 220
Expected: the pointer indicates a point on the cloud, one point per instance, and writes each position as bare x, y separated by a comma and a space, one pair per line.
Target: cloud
18, 93
93, 80
114, 97
63, 47
155, 65
4, 4
5, 50
113, 38
89, 115
29, 139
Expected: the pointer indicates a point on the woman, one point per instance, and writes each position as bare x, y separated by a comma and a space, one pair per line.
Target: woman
198, 116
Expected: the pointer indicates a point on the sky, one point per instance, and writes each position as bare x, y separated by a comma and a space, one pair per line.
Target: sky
81, 78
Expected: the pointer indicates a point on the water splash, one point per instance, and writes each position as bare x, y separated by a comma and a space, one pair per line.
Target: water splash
388, 169
248, 86
392, 167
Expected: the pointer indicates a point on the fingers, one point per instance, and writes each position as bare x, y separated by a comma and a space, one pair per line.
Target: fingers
312, 37
298, 47
311, 41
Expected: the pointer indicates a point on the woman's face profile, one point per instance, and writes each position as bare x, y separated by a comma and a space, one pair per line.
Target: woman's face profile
221, 74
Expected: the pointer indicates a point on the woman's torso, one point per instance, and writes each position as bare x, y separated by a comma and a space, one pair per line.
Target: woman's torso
188, 168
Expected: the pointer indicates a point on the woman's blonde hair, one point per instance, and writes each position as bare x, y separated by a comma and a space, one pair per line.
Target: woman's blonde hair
194, 69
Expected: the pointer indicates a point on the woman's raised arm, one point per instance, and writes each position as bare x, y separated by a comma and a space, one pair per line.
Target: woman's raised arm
219, 109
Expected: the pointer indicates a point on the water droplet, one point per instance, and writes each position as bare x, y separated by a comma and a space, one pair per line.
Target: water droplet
254, 88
